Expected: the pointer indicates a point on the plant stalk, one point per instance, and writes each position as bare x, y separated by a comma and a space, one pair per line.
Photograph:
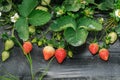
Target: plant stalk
46, 69
27, 56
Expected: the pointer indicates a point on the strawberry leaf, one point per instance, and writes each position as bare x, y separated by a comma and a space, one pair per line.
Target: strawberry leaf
38, 17
22, 28
118, 30
6, 7
62, 23
77, 38
72, 5
26, 7
90, 1
106, 5
89, 24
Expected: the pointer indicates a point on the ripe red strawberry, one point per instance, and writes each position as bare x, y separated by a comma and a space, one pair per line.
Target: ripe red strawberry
48, 52
104, 54
93, 48
27, 47
60, 55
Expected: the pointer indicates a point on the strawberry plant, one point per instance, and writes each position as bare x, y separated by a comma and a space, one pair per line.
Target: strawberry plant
62, 24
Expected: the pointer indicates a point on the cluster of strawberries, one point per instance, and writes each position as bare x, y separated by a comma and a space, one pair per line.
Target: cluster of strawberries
103, 52
60, 53
94, 48
9, 44
48, 52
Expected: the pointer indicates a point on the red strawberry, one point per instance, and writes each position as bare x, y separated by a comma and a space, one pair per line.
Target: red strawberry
93, 48
60, 55
27, 47
48, 52
104, 54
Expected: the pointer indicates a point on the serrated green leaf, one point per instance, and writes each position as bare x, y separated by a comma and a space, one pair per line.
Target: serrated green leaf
22, 28
6, 7
106, 5
90, 1
118, 30
38, 17
89, 24
1, 1
72, 5
62, 23
26, 7
75, 37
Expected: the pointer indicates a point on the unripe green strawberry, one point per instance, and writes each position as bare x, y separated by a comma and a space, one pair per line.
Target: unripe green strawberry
27, 47
40, 42
59, 37
31, 29
5, 55
9, 44
34, 40
70, 54
112, 37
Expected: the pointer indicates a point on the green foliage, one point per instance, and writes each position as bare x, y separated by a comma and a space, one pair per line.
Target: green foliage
90, 1
118, 30
89, 24
117, 4
22, 28
75, 5
106, 5
38, 17
26, 7
62, 23
69, 23
29, 15
5, 7
7, 78
72, 5
75, 37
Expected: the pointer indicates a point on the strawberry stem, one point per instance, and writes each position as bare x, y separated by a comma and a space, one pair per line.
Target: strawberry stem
11, 76
95, 39
46, 69
28, 58
109, 25
30, 63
